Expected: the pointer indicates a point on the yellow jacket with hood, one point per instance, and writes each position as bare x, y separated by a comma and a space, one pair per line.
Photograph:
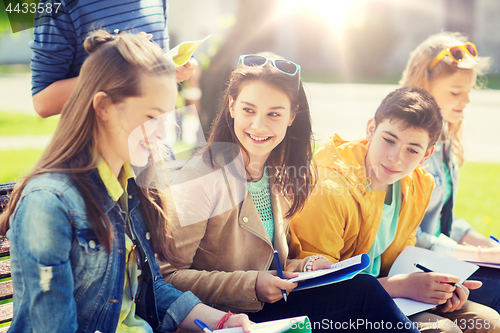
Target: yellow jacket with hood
341, 218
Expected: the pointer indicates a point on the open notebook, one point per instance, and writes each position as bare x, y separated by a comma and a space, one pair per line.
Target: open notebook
411, 255
343, 270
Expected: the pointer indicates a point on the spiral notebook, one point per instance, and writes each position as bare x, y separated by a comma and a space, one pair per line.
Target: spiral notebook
341, 271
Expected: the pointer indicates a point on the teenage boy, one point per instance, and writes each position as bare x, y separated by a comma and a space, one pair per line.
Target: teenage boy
370, 198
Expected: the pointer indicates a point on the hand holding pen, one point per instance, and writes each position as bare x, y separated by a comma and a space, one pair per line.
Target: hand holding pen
426, 270
269, 284
280, 272
448, 299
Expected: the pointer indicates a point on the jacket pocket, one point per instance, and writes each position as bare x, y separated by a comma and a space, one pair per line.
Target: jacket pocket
88, 240
89, 257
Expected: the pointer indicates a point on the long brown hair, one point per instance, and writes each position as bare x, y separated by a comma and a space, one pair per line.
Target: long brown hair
417, 74
291, 159
116, 65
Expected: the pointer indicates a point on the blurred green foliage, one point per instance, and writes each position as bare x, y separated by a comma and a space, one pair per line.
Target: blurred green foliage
21, 13
4, 19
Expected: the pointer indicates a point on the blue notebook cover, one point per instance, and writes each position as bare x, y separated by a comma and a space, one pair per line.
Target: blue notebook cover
341, 271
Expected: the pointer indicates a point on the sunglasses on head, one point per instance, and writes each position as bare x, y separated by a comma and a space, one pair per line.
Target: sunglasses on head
284, 66
456, 53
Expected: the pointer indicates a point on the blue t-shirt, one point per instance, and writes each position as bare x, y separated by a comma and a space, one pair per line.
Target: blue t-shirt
386, 231
58, 51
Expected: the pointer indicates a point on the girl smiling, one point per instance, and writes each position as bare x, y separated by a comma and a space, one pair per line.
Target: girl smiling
240, 194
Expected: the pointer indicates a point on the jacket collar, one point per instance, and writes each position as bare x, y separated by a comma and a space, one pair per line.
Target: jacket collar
115, 187
103, 197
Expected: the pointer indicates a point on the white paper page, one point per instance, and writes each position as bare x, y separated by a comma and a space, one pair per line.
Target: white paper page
333, 268
405, 263
410, 307
274, 326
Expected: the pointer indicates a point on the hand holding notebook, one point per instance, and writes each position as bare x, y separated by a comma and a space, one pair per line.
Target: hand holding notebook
343, 270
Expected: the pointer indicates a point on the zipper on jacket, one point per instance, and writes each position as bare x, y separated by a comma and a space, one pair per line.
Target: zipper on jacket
270, 258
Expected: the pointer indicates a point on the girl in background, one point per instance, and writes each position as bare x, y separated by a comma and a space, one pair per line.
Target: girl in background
447, 65
79, 225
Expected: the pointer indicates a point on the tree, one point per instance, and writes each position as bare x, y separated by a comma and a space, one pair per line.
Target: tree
4, 19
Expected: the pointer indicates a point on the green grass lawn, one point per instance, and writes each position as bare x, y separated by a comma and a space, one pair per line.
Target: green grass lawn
478, 194
14, 123
478, 186
16, 163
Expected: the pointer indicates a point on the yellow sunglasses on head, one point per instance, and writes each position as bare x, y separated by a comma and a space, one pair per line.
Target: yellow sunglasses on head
456, 53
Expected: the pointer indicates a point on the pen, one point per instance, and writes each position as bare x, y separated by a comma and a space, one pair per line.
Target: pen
203, 326
425, 269
280, 272
494, 238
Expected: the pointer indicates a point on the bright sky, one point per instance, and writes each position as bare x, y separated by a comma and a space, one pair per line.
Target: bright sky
338, 13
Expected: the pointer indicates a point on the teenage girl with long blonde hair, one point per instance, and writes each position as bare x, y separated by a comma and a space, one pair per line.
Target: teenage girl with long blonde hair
447, 65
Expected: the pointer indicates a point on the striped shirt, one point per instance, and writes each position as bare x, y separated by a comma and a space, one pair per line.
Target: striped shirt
58, 51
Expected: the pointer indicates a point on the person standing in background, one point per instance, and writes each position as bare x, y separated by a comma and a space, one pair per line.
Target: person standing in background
58, 51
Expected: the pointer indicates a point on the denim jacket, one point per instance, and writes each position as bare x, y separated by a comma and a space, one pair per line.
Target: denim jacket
459, 227
64, 280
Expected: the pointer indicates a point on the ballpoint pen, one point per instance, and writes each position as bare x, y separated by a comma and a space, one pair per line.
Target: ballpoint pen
425, 269
204, 327
280, 272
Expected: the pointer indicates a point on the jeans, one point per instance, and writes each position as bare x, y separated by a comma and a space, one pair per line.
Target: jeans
358, 304
489, 293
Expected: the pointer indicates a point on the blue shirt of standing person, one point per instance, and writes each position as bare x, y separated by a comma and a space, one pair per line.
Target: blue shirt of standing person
58, 52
